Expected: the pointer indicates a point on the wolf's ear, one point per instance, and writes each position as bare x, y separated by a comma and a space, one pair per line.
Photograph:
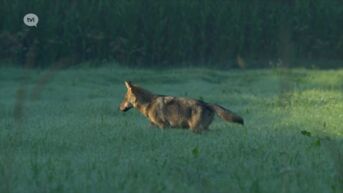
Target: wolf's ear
128, 84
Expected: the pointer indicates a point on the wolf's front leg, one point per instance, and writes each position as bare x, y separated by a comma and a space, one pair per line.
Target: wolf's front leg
153, 125
156, 120
161, 126
158, 125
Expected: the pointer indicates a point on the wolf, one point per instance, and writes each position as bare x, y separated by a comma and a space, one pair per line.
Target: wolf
174, 112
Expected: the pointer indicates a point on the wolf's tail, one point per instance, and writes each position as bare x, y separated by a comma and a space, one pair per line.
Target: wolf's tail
226, 114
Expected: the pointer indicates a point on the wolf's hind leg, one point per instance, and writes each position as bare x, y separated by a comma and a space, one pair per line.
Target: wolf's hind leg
198, 129
199, 126
196, 125
201, 120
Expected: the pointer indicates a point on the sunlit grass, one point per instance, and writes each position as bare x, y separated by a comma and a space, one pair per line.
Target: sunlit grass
73, 138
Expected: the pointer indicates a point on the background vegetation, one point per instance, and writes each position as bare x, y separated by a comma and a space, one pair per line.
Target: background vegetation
160, 33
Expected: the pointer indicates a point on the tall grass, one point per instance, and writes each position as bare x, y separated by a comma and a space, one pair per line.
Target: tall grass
165, 32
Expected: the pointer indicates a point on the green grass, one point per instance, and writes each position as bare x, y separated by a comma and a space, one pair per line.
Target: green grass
62, 132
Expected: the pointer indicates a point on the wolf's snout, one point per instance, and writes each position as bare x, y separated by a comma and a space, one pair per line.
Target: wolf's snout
123, 108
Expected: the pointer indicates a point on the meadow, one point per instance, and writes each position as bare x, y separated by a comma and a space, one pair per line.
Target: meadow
61, 131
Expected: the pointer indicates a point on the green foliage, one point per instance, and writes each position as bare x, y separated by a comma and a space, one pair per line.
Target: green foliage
72, 137
195, 151
164, 32
316, 143
306, 133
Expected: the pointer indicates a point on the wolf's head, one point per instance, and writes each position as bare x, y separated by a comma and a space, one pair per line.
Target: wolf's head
129, 99
135, 97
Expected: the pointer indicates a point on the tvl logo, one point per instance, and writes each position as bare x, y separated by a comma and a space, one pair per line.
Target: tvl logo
31, 20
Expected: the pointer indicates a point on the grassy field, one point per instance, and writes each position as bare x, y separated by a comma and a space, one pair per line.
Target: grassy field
61, 131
